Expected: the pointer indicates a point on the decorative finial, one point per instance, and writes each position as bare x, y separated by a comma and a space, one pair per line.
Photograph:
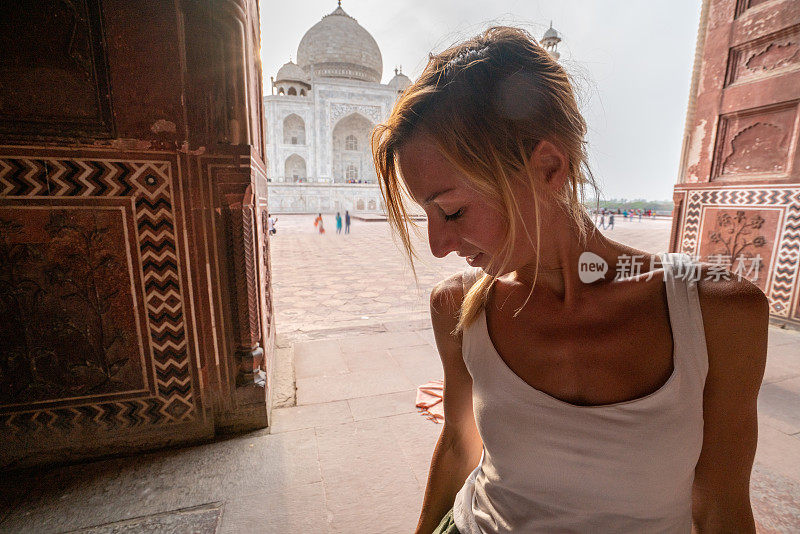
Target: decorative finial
401, 69
395, 71
551, 22
340, 3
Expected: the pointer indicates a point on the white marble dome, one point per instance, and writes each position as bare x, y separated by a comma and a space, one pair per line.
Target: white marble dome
339, 47
291, 72
551, 34
400, 81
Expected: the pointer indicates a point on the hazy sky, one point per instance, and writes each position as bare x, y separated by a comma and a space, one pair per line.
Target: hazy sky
632, 61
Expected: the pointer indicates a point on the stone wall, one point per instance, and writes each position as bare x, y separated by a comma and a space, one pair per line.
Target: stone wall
135, 279
325, 198
738, 191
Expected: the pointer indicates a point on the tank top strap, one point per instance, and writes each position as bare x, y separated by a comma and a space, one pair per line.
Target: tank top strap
681, 274
469, 276
472, 339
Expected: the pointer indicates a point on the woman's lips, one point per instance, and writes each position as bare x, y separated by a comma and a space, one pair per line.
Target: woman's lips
474, 258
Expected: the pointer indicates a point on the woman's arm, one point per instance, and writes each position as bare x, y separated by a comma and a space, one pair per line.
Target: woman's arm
459, 448
450, 467
736, 319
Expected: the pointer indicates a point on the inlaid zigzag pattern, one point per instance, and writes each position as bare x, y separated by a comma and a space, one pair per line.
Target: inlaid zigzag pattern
786, 264
691, 223
150, 185
106, 416
155, 224
785, 269
23, 177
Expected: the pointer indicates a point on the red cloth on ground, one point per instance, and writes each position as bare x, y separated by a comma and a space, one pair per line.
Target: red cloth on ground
429, 400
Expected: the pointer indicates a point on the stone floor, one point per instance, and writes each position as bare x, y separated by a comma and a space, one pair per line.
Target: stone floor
348, 453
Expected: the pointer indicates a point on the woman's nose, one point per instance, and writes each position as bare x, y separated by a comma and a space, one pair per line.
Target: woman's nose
441, 241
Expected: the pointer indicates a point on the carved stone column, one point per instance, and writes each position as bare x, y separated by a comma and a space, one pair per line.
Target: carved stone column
239, 216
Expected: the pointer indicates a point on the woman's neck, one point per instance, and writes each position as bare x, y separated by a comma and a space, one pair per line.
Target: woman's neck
562, 257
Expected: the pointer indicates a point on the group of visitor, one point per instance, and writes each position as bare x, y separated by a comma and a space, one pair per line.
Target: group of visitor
317, 223
627, 214
602, 223
321, 228
630, 213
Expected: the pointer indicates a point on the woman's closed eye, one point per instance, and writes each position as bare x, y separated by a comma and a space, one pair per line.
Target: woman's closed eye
454, 216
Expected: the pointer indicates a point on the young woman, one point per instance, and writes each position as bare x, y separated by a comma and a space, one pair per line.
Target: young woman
572, 404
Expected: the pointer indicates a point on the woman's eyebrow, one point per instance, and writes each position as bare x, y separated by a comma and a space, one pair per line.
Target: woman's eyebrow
433, 196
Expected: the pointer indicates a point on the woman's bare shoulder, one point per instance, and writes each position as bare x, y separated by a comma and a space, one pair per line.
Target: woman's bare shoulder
446, 298
726, 295
735, 320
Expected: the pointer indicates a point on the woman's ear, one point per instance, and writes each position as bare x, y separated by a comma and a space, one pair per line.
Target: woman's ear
550, 163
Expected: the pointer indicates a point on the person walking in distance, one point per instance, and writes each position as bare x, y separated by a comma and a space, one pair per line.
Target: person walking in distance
346, 221
338, 223
271, 224
611, 220
546, 430
318, 224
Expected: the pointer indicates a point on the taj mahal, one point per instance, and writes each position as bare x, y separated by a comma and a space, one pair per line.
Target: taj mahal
320, 114
319, 118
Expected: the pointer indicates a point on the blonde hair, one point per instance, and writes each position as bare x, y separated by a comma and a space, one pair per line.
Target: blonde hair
486, 103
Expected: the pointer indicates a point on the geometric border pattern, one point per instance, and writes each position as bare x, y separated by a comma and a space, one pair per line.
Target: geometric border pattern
785, 271
149, 184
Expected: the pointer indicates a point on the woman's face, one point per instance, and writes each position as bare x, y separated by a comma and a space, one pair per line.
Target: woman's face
459, 219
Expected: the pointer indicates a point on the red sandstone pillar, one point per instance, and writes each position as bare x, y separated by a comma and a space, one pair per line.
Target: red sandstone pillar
738, 190
134, 260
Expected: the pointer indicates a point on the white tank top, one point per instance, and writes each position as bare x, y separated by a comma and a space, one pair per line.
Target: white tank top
551, 466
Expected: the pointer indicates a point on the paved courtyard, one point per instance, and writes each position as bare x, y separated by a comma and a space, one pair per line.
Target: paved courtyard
347, 451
